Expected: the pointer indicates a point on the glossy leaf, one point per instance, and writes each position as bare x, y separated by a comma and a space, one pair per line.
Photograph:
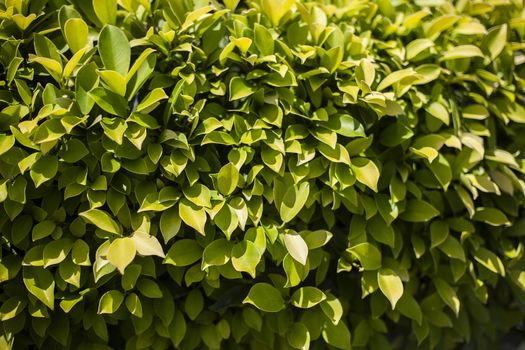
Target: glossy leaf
121, 252
102, 220
265, 297
113, 46
390, 284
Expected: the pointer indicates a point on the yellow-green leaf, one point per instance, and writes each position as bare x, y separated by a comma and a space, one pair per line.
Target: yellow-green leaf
147, 245
121, 253
294, 200
76, 32
110, 302
102, 220
193, 215
390, 284
265, 297
366, 172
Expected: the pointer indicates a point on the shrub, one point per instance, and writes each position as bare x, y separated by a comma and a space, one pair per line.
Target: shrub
267, 174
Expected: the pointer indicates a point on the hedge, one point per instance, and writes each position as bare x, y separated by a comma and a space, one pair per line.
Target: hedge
264, 174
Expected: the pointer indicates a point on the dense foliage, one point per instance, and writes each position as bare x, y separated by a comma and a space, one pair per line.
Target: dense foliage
261, 175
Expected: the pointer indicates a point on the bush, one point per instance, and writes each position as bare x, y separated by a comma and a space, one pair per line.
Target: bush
265, 174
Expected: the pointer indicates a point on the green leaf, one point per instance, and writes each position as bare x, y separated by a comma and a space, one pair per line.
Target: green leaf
6, 143
441, 170
293, 201
332, 308
495, 40
170, 223
227, 220
192, 215
151, 100
419, 211
134, 305
265, 297
440, 24
216, 253
296, 247
41, 284
114, 80
345, 125
183, 252
12, 307
54, 68
48, 131
438, 111
194, 304
106, 10
263, 40
45, 48
147, 245
365, 72
114, 49
452, 248
489, 260
475, 111
409, 307
337, 335
245, 256
238, 89
42, 230
198, 194
448, 294
381, 231
86, 79
73, 150
102, 220
76, 33
295, 272
72, 64
231, 4
80, 253
121, 253
227, 179
110, 302
390, 284
56, 251
416, 47
461, 51
307, 297
149, 288
17, 190
439, 232
368, 255
401, 76
325, 135
141, 70
276, 9
298, 336
316, 239
491, 216
109, 101
366, 172
44, 169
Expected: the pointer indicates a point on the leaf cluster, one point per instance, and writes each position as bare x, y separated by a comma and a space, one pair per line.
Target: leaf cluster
267, 174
